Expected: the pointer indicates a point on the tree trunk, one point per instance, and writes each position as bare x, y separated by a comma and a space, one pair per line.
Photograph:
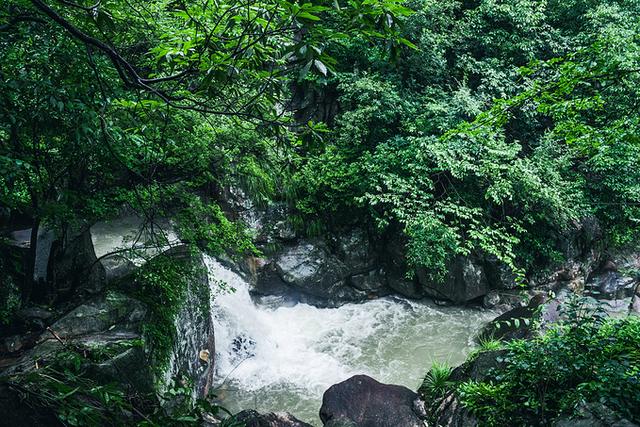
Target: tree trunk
29, 278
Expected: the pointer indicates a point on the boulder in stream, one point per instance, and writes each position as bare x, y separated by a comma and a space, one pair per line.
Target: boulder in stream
308, 267
362, 401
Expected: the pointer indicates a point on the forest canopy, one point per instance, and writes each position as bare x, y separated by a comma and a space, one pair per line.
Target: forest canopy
472, 127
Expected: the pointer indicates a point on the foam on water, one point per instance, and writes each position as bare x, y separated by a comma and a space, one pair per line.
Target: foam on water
273, 356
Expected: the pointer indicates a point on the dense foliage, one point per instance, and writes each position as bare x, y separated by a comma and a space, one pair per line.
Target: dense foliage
491, 128
512, 122
585, 361
153, 108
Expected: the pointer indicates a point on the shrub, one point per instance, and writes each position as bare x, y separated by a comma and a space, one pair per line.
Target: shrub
586, 358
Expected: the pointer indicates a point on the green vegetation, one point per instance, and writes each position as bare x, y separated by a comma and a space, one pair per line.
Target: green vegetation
66, 390
512, 122
485, 128
588, 359
437, 382
162, 284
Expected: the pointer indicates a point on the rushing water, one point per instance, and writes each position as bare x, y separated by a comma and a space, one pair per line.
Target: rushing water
278, 356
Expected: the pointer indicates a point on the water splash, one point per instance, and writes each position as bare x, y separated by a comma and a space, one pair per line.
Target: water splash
274, 356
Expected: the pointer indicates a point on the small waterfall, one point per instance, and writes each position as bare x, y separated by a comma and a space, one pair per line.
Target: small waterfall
275, 356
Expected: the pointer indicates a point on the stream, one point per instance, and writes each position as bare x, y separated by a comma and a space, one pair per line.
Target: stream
273, 355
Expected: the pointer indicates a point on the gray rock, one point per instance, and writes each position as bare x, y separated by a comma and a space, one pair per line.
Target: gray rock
355, 251
465, 282
251, 418
117, 267
284, 230
373, 281
634, 307
491, 300
34, 313
362, 401
310, 267
612, 285
404, 286
448, 411
593, 415
194, 328
479, 367
514, 324
451, 413
499, 275
111, 311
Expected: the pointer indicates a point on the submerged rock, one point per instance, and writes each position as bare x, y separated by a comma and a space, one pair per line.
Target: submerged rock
362, 401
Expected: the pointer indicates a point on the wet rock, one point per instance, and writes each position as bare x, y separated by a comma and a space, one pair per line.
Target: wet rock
130, 364
244, 346
372, 281
193, 327
12, 344
612, 285
499, 275
479, 368
634, 307
33, 313
251, 418
395, 268
311, 268
405, 287
491, 300
514, 324
362, 401
284, 230
448, 411
110, 311
355, 250
33, 318
465, 282
117, 267
451, 413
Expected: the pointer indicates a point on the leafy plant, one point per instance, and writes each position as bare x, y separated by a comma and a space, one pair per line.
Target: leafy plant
585, 358
436, 383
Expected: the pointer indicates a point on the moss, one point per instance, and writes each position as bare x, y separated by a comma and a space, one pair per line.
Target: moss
162, 285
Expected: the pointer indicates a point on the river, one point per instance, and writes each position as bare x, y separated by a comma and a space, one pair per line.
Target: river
273, 355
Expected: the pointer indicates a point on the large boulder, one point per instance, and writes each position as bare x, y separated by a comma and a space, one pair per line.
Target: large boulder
616, 277
362, 401
74, 266
355, 250
113, 311
194, 345
308, 267
465, 282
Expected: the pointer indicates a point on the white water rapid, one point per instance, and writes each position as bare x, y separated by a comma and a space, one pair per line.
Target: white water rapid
273, 356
